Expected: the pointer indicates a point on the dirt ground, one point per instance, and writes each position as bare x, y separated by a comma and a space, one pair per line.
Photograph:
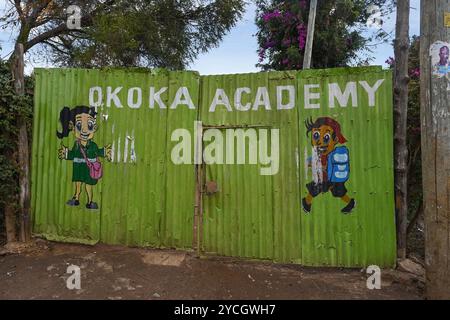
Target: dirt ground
38, 271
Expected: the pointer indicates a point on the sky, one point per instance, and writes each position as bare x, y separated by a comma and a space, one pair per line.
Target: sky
237, 53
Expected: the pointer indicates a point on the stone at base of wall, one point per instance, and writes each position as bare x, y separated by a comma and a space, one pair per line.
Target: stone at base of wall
410, 266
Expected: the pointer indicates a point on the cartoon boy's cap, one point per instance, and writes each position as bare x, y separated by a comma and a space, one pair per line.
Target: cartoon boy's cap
336, 128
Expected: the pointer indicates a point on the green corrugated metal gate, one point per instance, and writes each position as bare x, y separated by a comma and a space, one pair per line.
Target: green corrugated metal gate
146, 198
254, 215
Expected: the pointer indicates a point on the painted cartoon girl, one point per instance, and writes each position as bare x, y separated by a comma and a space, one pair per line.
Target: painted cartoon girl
82, 120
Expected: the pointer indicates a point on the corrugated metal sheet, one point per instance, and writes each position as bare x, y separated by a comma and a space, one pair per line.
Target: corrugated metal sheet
260, 217
150, 201
253, 215
51, 186
367, 235
138, 205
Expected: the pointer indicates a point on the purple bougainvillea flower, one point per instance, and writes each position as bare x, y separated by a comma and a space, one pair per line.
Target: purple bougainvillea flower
390, 61
302, 33
269, 44
288, 16
286, 42
415, 72
266, 17
271, 15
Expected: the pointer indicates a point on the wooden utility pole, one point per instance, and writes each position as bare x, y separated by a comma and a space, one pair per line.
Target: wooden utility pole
435, 122
310, 35
401, 80
18, 66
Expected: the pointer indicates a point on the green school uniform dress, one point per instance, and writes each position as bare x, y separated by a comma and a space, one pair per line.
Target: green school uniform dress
80, 169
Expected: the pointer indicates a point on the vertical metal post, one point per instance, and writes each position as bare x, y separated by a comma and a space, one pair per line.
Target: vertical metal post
310, 35
198, 210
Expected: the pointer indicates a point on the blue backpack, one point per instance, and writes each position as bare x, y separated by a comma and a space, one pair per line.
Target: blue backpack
338, 165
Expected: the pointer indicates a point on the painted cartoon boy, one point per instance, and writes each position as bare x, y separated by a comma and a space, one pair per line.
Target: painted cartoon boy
82, 120
330, 162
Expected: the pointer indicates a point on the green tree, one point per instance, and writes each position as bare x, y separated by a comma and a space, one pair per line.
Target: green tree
12, 107
162, 33
415, 243
151, 33
338, 39
415, 208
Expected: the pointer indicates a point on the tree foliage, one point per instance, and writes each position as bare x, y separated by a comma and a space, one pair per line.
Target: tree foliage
153, 33
415, 186
338, 38
163, 33
414, 132
413, 140
12, 107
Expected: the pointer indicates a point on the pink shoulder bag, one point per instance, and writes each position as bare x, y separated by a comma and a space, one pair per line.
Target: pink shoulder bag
95, 168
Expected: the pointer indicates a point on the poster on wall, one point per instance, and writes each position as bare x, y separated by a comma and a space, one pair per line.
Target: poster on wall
440, 54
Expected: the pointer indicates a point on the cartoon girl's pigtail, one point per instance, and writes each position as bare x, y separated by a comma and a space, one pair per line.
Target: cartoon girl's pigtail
64, 117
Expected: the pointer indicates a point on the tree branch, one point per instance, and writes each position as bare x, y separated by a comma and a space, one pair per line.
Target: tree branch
55, 46
37, 10
19, 11
62, 28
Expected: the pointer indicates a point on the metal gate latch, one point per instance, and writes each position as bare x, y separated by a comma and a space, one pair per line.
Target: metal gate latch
211, 188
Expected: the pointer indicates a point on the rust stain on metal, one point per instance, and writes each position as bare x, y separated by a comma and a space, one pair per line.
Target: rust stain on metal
211, 188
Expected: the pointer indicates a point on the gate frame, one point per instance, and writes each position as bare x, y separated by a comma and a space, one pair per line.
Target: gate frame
197, 238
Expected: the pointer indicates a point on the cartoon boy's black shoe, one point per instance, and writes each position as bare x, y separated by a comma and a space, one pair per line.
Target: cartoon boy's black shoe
92, 205
306, 207
73, 202
349, 207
